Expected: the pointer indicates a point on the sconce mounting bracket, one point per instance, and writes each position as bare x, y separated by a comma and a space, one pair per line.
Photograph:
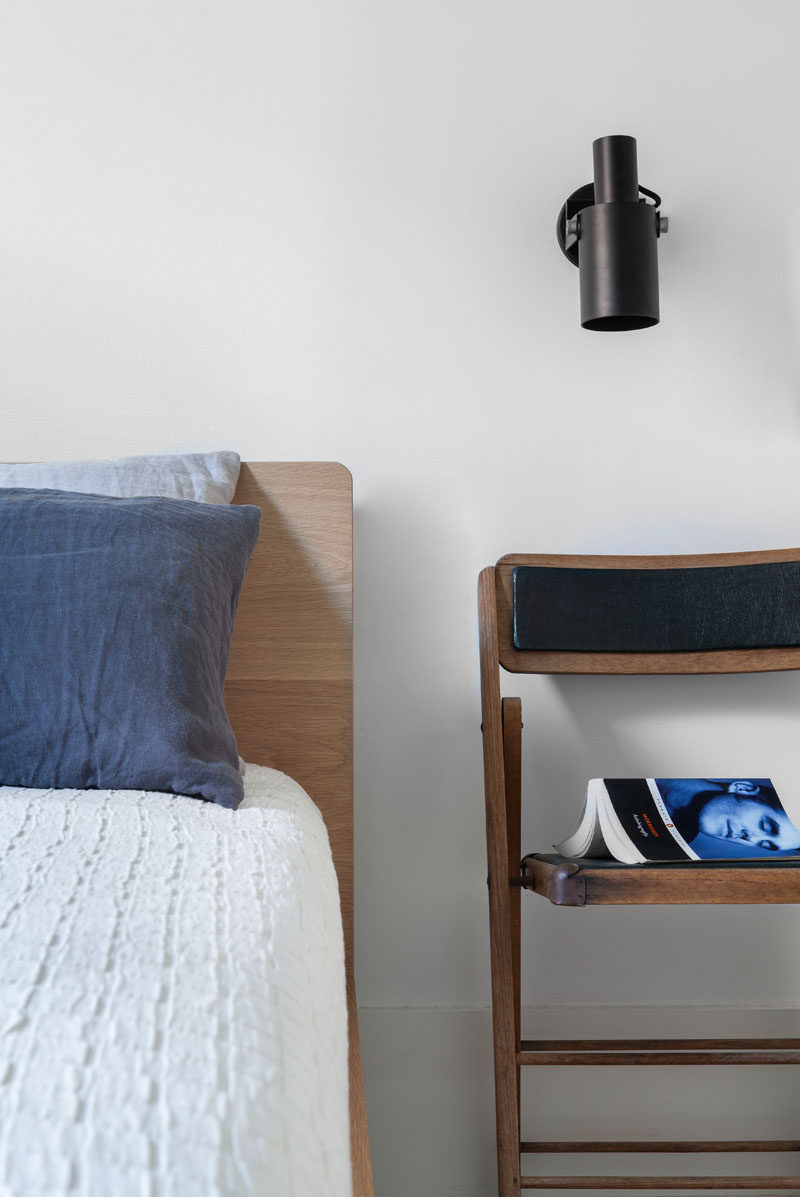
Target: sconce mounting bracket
584, 198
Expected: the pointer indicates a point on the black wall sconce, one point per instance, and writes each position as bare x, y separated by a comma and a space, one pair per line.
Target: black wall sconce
610, 232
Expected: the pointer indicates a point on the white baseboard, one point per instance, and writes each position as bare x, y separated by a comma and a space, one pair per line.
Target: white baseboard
431, 1105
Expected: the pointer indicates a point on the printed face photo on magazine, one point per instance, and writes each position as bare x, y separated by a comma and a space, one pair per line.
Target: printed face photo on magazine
744, 812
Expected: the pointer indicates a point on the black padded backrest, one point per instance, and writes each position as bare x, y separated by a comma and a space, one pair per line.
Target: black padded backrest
698, 609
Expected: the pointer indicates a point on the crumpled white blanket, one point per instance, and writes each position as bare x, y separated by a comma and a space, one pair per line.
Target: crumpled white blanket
172, 996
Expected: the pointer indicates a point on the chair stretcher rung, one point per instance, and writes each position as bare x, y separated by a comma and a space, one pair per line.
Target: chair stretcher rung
658, 1045
654, 1059
661, 1183
648, 1052
673, 1146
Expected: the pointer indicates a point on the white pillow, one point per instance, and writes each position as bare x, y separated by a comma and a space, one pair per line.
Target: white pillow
203, 477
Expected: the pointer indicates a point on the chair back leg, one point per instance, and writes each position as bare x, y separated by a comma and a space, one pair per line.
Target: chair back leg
504, 1020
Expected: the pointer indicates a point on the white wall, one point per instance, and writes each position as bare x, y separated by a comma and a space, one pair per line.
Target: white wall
326, 230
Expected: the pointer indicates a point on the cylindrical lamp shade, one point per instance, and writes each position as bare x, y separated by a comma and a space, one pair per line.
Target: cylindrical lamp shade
618, 261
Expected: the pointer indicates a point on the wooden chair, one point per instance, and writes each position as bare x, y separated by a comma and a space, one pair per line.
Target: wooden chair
724, 613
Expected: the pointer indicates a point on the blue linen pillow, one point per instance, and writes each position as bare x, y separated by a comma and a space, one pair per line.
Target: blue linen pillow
116, 617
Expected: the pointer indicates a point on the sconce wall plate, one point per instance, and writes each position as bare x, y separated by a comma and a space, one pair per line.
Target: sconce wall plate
610, 233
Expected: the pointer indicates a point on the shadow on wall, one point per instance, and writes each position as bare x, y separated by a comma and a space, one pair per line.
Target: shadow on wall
605, 711
419, 775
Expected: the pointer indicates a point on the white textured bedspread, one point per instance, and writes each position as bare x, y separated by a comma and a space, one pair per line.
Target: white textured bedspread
172, 996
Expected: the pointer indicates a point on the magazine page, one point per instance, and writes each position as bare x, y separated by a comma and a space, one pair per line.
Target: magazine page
728, 818
587, 838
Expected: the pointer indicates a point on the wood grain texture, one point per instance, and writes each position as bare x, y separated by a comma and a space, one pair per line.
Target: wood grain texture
500, 931
661, 1184
720, 661
657, 1045
511, 709
649, 1147
289, 687
657, 1059
573, 883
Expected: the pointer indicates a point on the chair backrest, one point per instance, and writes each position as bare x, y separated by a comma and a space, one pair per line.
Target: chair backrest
716, 613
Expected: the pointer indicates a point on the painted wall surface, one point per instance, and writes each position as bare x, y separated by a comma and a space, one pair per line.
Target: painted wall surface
326, 230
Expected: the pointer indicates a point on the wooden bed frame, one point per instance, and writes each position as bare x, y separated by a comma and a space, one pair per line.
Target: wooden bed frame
289, 687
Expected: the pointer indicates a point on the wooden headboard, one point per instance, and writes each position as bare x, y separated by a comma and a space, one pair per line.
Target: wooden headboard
289, 687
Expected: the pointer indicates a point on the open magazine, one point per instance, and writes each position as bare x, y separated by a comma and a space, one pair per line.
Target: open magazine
641, 820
